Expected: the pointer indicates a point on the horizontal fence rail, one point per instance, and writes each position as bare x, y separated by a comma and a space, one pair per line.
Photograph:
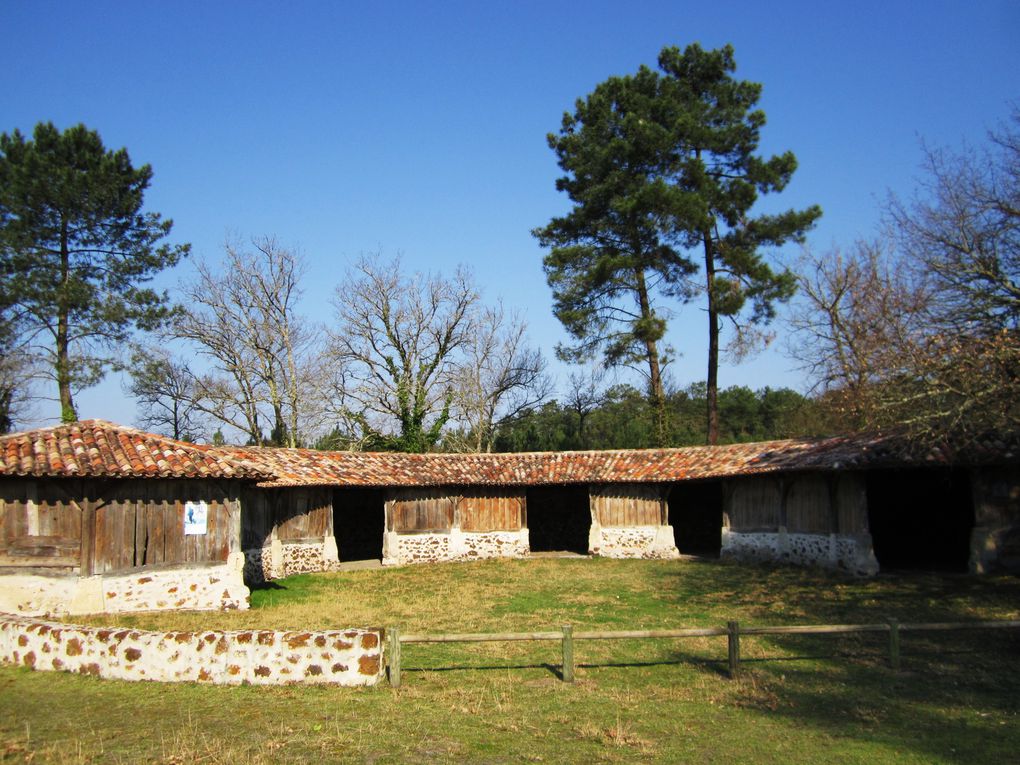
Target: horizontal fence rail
733, 632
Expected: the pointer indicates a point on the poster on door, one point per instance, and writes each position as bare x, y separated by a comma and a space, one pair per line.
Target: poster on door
196, 517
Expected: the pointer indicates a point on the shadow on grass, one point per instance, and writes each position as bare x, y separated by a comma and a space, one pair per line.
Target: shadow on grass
715, 666
261, 586
953, 700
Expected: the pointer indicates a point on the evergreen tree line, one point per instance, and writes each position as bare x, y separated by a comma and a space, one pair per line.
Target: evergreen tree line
623, 420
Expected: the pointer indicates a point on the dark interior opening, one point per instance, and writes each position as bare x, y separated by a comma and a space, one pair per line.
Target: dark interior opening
920, 519
559, 519
696, 515
359, 520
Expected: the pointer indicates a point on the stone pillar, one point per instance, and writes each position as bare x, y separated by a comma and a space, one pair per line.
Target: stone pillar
275, 567
330, 551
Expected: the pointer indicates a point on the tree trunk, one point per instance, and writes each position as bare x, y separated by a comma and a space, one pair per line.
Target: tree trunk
63, 365
712, 381
656, 393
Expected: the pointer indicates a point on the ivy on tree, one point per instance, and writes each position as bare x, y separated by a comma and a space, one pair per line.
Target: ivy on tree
663, 173
76, 250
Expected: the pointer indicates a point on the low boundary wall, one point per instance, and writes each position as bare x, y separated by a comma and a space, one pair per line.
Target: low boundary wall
258, 657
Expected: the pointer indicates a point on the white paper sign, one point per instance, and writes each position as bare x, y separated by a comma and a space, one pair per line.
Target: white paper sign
196, 517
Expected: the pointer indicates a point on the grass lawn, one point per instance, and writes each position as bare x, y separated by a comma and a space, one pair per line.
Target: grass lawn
797, 699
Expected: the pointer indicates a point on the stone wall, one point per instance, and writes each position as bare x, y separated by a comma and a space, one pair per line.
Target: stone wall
277, 559
849, 552
204, 587
457, 545
632, 541
258, 657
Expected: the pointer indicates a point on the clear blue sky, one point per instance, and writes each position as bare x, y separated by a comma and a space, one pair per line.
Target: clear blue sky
420, 128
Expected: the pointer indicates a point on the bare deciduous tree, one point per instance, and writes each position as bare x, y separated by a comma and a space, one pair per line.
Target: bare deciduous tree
585, 394
500, 375
165, 389
963, 228
245, 321
397, 340
925, 339
857, 312
18, 370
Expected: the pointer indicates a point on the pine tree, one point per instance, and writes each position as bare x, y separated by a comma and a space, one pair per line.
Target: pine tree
662, 171
76, 248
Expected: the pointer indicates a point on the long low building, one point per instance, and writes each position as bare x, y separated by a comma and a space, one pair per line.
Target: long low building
96, 516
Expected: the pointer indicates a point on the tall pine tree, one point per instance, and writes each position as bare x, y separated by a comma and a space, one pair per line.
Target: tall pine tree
76, 248
663, 173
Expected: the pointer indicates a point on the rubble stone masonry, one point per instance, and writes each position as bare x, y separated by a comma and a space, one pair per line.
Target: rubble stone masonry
457, 545
632, 541
849, 552
206, 587
257, 657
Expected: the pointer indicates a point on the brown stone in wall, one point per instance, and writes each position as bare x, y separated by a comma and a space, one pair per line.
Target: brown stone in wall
368, 665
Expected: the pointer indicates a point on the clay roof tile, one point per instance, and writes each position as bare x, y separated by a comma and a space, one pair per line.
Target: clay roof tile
100, 448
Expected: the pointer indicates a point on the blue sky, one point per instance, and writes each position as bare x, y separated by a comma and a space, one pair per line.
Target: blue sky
420, 129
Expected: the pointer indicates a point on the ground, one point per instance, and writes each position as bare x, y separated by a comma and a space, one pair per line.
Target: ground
796, 699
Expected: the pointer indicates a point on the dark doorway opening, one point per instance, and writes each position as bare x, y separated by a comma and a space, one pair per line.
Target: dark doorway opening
559, 519
359, 520
696, 515
920, 519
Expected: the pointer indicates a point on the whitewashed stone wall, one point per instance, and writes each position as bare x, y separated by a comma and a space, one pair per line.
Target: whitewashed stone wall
457, 545
277, 559
258, 657
849, 552
632, 541
218, 587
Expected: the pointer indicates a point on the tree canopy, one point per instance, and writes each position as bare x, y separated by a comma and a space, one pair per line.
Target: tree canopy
76, 249
661, 167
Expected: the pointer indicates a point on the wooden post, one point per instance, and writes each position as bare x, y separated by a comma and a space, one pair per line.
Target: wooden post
733, 645
568, 653
894, 644
87, 567
394, 662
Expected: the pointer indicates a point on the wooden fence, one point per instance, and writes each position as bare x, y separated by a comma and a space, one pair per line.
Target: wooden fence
733, 632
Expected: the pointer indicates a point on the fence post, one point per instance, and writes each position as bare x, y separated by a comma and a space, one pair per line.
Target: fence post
733, 646
394, 656
894, 644
568, 653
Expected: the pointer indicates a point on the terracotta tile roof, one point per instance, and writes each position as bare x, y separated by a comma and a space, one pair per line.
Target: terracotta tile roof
305, 467
98, 448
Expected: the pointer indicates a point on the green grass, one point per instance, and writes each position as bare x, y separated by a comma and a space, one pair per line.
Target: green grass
797, 699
